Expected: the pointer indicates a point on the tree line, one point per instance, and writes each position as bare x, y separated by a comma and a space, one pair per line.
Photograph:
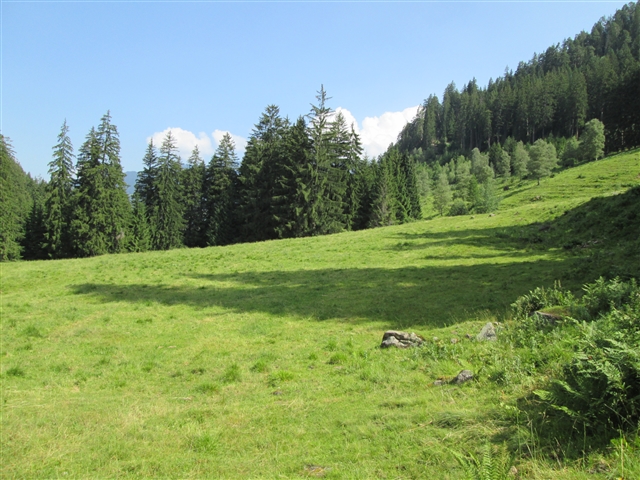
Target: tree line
296, 179
592, 76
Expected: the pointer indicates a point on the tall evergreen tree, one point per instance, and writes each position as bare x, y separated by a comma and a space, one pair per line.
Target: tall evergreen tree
139, 239
101, 203
193, 177
15, 202
221, 184
329, 180
145, 187
263, 152
58, 207
167, 217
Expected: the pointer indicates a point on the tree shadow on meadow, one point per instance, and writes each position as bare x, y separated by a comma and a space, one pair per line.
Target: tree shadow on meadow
430, 296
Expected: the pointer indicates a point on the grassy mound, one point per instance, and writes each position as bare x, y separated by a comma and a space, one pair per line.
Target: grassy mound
262, 360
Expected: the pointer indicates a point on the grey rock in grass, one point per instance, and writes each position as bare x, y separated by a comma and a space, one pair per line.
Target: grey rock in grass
393, 338
552, 318
462, 377
488, 333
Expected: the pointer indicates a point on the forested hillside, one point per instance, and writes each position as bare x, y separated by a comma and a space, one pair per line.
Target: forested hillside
595, 75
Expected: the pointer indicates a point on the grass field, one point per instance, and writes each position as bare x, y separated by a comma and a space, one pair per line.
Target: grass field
262, 360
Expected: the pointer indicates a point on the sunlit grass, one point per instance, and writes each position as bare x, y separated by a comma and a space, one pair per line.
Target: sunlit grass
262, 360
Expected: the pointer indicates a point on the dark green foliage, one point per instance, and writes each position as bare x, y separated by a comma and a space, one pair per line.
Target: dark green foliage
101, 204
256, 180
58, 207
598, 388
595, 75
35, 240
329, 147
602, 296
167, 220
145, 187
139, 231
15, 202
220, 195
193, 183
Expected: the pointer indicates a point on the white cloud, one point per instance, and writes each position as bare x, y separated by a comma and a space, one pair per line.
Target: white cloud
186, 141
240, 142
377, 133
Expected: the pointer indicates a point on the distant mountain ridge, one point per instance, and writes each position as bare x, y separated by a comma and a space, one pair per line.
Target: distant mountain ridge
130, 180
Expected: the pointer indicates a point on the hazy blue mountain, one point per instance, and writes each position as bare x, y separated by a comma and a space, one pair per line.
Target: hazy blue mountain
130, 180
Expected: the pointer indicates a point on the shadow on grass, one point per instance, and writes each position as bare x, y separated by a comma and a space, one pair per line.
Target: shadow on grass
432, 296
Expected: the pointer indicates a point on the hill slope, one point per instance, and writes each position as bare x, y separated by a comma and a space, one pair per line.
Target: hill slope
262, 360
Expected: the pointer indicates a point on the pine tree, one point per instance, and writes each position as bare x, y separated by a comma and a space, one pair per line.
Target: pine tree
101, 204
167, 216
139, 231
145, 187
383, 208
15, 202
34, 241
194, 204
58, 207
256, 180
221, 181
329, 180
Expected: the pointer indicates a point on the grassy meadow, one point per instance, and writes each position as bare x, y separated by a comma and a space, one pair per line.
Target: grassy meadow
263, 361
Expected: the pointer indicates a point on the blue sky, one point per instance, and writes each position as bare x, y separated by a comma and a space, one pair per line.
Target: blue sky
203, 68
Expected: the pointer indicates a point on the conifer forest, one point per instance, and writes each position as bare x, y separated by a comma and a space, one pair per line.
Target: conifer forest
570, 104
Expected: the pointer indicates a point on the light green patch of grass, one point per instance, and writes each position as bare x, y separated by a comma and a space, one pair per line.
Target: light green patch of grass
262, 360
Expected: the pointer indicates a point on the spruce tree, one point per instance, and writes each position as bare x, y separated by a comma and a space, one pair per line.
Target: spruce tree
167, 215
58, 207
329, 181
221, 181
192, 191
101, 203
383, 208
145, 187
139, 239
15, 202
256, 176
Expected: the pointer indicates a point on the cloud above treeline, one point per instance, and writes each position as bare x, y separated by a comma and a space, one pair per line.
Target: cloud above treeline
376, 133
186, 141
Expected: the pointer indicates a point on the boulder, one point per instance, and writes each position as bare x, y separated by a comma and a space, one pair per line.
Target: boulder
393, 338
488, 333
462, 377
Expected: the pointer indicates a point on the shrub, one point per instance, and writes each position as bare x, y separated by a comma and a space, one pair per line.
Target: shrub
459, 207
600, 385
602, 296
540, 298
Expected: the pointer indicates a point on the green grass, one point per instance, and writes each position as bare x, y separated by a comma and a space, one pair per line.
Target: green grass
262, 360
